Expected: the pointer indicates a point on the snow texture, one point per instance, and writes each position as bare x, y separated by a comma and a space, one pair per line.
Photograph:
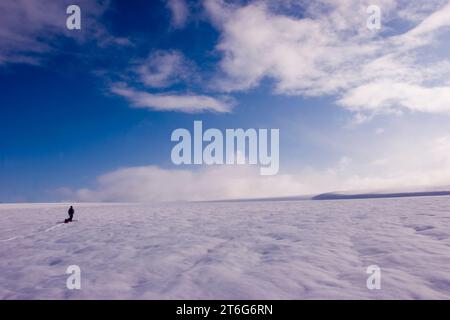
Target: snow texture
234, 250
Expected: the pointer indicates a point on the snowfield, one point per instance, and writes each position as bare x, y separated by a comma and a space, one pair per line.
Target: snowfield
228, 250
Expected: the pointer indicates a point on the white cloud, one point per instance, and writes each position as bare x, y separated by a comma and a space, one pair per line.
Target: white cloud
329, 51
163, 69
172, 102
385, 95
180, 12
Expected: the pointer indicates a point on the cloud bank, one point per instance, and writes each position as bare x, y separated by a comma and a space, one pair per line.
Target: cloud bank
422, 165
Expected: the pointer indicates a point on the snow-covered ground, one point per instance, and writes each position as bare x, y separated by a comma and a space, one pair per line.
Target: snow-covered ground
246, 250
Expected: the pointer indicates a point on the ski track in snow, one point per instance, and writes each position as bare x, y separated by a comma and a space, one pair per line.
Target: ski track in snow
34, 233
247, 250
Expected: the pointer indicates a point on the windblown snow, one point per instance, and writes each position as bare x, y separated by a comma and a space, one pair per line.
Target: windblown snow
234, 250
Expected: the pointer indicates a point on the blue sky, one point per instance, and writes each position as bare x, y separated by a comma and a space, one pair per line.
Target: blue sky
86, 115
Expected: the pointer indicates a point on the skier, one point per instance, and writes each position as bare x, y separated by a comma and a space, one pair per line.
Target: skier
70, 212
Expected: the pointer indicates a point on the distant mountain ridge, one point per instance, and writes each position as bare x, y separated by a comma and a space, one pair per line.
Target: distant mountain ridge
348, 196
340, 196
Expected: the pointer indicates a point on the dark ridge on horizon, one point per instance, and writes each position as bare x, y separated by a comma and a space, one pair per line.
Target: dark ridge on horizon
337, 196
340, 196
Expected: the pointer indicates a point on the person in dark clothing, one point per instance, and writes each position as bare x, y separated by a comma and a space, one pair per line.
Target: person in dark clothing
70, 212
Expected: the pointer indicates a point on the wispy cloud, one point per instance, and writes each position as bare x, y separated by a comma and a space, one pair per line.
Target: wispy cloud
188, 103
159, 72
164, 68
435, 21
180, 12
30, 30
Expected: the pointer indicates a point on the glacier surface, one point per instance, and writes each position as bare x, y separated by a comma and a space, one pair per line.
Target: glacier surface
228, 250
